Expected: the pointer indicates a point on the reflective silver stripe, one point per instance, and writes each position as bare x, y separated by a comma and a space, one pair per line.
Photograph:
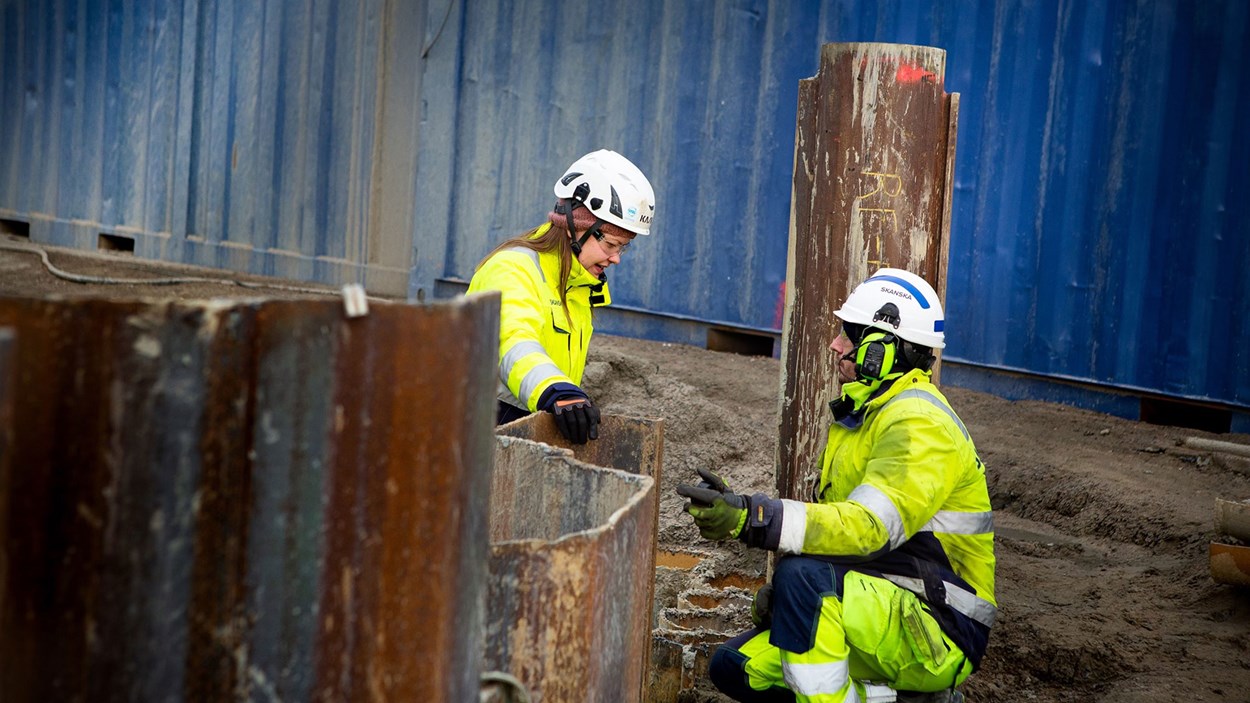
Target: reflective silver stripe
818, 679
925, 395
535, 377
506, 396
879, 691
879, 504
515, 354
533, 255
793, 526
958, 599
957, 523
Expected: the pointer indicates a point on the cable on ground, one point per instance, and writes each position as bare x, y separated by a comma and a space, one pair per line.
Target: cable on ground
168, 281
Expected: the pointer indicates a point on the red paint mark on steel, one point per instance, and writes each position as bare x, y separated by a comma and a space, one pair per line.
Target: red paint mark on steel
914, 73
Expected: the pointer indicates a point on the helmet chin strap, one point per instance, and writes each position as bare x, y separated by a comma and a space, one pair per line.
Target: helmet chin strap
566, 208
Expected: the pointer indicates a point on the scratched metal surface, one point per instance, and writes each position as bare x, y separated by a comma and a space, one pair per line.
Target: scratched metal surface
626, 443
870, 187
571, 571
246, 501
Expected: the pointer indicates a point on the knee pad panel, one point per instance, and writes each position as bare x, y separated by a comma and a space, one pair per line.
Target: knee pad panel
800, 586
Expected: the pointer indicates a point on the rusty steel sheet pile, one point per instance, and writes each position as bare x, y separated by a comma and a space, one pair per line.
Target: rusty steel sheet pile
626, 443
571, 570
246, 500
874, 157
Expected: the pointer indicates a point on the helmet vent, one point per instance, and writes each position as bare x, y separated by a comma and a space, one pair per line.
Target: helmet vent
615, 208
569, 177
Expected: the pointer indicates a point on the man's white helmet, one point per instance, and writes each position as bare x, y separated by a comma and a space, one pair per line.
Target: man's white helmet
612, 188
920, 318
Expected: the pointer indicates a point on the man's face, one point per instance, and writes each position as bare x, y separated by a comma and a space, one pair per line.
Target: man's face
842, 346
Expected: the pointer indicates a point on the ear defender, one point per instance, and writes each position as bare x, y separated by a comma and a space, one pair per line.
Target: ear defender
874, 358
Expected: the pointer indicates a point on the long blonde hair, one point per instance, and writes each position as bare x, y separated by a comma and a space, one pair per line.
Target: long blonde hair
554, 239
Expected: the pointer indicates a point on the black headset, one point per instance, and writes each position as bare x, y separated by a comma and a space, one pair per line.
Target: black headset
874, 357
877, 352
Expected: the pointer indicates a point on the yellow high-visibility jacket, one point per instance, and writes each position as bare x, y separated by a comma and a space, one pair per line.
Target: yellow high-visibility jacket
902, 493
910, 467
538, 346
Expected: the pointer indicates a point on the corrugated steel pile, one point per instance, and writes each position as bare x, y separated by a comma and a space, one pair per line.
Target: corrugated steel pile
224, 500
243, 500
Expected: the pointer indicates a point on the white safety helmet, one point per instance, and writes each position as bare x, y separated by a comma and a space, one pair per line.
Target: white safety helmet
612, 188
920, 318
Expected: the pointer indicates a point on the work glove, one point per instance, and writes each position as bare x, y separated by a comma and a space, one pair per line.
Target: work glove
577, 418
762, 607
718, 513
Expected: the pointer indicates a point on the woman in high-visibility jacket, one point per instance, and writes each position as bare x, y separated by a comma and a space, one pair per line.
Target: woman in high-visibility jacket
886, 583
550, 279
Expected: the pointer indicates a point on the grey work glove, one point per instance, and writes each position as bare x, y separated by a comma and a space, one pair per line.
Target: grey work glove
762, 607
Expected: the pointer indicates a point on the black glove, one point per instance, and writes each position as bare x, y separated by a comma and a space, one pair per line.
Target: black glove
577, 418
762, 607
719, 513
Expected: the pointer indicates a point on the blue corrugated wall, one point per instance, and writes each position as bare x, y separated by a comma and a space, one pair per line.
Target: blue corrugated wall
227, 133
1100, 227
1103, 169
1103, 173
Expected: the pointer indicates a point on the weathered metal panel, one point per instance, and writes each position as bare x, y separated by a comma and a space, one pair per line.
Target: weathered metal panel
571, 571
1100, 230
269, 137
8, 380
232, 501
631, 444
871, 170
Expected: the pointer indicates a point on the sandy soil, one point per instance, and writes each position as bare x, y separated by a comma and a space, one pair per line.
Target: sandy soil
1102, 523
1102, 526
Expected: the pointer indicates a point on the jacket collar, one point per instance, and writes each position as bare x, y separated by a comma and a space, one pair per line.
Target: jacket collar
843, 409
578, 275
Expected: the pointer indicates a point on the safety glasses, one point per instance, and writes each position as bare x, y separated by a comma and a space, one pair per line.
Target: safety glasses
610, 247
854, 332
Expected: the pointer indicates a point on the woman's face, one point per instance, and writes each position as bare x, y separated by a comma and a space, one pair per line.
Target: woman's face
598, 254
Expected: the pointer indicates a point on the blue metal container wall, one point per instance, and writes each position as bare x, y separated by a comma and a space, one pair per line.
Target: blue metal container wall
1098, 233
543, 82
239, 134
83, 137
1102, 168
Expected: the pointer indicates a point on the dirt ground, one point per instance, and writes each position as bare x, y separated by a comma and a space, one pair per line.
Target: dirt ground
1102, 524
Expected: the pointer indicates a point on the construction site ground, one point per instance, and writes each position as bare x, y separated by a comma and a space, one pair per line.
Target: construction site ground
1103, 524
